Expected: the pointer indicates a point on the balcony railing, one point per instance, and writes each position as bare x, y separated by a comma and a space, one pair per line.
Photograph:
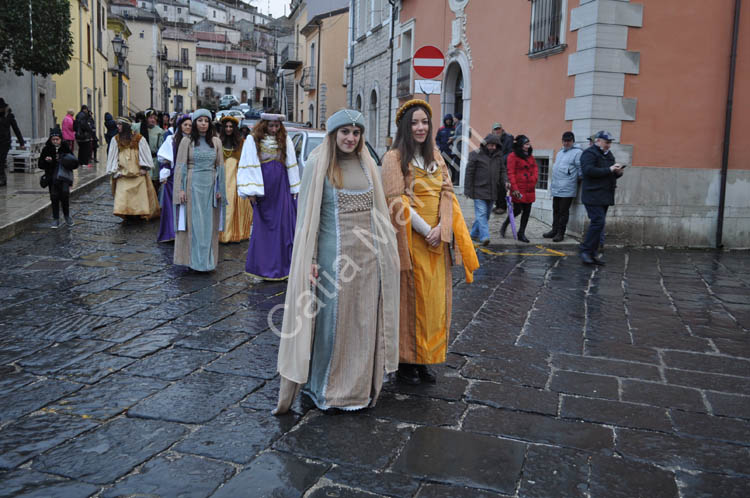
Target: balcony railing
289, 59
220, 78
403, 80
307, 81
179, 83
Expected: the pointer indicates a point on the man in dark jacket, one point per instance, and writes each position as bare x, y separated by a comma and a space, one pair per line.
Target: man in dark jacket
600, 174
506, 147
444, 139
83, 130
485, 171
7, 121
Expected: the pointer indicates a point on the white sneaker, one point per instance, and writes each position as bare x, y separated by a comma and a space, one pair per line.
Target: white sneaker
69, 221
55, 223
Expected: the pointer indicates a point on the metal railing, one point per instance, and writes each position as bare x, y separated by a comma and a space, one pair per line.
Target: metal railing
179, 83
403, 79
220, 78
546, 18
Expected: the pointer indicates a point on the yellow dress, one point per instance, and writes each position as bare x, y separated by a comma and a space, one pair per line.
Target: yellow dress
426, 291
430, 266
134, 194
239, 211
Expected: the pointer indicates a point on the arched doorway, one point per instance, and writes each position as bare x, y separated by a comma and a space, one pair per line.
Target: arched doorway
453, 98
358, 104
311, 114
456, 98
243, 96
372, 123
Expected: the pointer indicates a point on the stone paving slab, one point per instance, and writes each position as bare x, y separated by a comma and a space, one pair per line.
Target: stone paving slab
121, 374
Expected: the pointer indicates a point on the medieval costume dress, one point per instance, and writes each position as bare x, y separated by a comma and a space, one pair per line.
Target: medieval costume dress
199, 172
274, 184
239, 211
134, 194
426, 285
166, 157
340, 354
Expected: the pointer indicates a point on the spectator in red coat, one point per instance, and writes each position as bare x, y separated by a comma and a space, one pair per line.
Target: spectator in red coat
523, 173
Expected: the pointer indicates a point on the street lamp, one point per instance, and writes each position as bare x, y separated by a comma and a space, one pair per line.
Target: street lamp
150, 74
120, 49
165, 83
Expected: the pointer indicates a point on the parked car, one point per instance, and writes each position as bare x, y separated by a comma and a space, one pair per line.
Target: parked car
228, 101
305, 140
231, 112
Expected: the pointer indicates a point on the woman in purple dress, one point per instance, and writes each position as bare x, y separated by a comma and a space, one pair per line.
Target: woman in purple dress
166, 155
268, 175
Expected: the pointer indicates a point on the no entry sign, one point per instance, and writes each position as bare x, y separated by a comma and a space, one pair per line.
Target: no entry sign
428, 62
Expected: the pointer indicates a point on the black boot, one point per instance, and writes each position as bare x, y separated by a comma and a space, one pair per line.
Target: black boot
504, 228
522, 237
426, 374
559, 236
408, 374
548, 235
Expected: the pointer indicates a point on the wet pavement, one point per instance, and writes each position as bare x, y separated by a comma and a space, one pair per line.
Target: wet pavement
23, 202
123, 375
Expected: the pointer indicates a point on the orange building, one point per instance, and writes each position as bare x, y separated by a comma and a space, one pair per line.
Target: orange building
653, 73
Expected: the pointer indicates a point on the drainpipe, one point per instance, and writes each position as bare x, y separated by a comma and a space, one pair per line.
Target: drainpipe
728, 125
350, 61
33, 81
317, 77
389, 139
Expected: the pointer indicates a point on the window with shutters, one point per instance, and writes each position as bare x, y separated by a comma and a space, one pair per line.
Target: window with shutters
547, 33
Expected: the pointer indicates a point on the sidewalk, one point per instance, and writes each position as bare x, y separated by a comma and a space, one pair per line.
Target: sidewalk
534, 231
23, 203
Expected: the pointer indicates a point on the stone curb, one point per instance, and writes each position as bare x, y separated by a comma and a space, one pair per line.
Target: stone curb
16, 227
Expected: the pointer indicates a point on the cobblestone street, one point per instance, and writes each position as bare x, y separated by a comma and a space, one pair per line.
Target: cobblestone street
121, 374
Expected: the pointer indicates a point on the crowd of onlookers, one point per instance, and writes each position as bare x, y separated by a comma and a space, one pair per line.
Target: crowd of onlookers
503, 173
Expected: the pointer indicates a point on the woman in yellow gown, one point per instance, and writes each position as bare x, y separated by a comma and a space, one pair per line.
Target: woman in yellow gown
239, 214
426, 217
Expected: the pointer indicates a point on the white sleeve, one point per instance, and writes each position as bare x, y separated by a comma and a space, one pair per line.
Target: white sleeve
165, 152
112, 154
249, 174
292, 168
418, 224
164, 174
144, 154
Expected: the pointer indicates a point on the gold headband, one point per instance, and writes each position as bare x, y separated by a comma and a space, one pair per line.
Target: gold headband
412, 103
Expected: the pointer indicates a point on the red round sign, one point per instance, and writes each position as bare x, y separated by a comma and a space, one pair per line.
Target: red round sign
428, 62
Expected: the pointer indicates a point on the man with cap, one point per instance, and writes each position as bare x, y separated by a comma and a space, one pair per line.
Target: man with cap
506, 147
600, 174
7, 121
566, 173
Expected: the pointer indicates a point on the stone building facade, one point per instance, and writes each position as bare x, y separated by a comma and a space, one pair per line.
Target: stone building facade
542, 67
368, 68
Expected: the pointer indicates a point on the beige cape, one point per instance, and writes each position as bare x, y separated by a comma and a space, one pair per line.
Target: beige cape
295, 349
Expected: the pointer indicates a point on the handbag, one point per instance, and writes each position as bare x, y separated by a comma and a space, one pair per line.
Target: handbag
44, 181
64, 175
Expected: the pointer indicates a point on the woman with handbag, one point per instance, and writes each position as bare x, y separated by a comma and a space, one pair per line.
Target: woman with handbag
523, 174
58, 175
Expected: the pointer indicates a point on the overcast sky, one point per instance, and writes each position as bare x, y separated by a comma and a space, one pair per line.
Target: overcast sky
273, 7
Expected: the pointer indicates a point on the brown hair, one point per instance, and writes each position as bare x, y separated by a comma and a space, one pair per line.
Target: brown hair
333, 173
233, 140
405, 144
261, 130
195, 135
